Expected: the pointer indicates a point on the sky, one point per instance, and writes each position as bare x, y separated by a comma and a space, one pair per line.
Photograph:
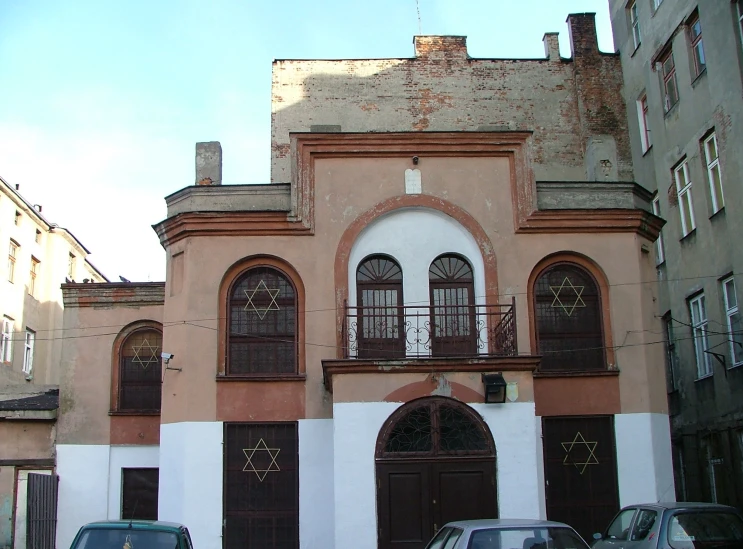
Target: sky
102, 102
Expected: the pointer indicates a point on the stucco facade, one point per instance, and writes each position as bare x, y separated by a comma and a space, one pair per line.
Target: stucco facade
691, 133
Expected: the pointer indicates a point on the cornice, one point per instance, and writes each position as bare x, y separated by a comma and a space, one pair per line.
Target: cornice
113, 294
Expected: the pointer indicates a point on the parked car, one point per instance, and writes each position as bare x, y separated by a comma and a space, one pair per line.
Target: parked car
132, 534
673, 526
506, 534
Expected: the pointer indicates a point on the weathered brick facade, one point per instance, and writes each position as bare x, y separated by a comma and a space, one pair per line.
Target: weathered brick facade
563, 101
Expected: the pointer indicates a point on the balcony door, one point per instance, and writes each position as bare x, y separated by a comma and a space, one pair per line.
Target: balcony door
381, 322
452, 290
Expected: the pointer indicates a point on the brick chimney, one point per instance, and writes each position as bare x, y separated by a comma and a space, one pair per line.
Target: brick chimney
583, 39
209, 163
440, 47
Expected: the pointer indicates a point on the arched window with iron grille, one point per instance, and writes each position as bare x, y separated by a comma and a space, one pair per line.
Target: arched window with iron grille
452, 292
381, 331
140, 372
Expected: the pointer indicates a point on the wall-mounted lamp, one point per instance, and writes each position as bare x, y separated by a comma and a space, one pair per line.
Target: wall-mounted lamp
495, 388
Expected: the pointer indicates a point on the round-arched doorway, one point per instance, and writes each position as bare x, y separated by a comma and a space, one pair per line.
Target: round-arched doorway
435, 462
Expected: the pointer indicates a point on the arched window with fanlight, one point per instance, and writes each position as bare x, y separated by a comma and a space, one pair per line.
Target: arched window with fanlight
380, 331
140, 372
452, 291
262, 322
569, 327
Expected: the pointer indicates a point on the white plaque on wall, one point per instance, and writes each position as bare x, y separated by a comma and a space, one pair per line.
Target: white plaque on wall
413, 182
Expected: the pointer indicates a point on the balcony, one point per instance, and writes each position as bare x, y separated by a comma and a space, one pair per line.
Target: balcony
437, 331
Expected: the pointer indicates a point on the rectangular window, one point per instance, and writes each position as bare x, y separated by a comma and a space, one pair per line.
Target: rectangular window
32, 276
683, 190
698, 311
634, 23
671, 360
6, 344
38, 236
660, 252
734, 324
714, 175
17, 219
139, 493
12, 254
28, 352
71, 264
697, 48
642, 115
657, 3
739, 5
670, 86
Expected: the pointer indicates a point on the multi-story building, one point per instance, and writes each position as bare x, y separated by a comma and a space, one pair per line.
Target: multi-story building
439, 308
683, 75
41, 257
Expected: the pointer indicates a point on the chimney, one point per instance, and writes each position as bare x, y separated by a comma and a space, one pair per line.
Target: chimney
209, 163
440, 47
551, 46
583, 40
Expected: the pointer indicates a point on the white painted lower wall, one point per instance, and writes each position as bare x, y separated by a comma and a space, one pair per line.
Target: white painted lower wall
191, 463
644, 462
123, 457
316, 503
83, 488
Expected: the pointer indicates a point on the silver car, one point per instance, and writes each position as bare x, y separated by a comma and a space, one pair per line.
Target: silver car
674, 526
506, 534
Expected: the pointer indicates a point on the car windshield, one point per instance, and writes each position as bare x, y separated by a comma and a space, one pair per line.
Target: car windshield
691, 530
526, 538
117, 538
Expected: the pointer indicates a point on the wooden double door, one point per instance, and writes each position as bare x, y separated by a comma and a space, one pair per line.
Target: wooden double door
416, 498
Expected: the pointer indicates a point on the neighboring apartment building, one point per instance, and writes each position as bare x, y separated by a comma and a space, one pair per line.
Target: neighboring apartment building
41, 257
435, 310
683, 74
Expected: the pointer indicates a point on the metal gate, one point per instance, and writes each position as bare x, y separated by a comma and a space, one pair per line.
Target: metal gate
41, 511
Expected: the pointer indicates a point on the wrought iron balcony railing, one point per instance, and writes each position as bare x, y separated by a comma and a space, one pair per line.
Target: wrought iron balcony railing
430, 331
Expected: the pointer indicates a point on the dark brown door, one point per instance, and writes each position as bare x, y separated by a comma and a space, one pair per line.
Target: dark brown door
381, 323
416, 499
580, 472
452, 294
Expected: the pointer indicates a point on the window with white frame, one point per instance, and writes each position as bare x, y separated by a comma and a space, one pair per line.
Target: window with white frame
739, 5
670, 84
642, 115
12, 255
657, 3
634, 22
734, 324
660, 252
71, 266
6, 343
698, 311
683, 191
28, 352
33, 274
714, 175
697, 48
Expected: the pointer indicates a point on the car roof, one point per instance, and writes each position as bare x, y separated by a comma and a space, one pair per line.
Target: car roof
506, 523
135, 525
673, 505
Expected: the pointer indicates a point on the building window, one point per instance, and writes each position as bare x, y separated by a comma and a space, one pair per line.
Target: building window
380, 330
139, 489
739, 6
698, 311
17, 219
569, 328
670, 86
38, 236
28, 353
670, 348
71, 266
32, 276
140, 370
635, 24
660, 251
734, 324
262, 324
12, 254
683, 190
6, 345
714, 175
642, 115
452, 292
695, 35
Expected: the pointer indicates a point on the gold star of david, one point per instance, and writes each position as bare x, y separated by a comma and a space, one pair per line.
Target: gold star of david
557, 302
580, 441
149, 350
272, 306
261, 447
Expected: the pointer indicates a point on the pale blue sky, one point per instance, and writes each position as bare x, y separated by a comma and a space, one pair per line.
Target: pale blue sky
101, 102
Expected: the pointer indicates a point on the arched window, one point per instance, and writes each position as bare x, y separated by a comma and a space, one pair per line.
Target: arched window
380, 331
452, 288
262, 324
569, 327
140, 372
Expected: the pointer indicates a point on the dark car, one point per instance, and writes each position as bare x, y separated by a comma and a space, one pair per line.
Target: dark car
673, 526
506, 534
132, 534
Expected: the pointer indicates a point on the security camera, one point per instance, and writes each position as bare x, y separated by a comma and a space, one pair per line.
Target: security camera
415, 160
167, 356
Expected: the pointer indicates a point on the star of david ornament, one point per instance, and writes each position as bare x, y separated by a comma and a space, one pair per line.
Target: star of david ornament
566, 302
272, 305
261, 446
145, 355
580, 442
